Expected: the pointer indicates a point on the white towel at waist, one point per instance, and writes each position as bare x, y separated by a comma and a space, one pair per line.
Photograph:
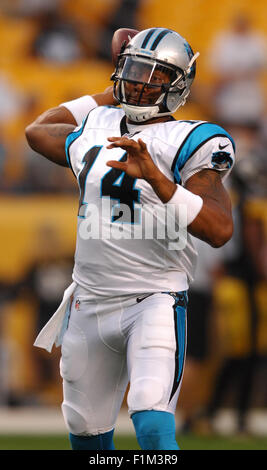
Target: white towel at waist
51, 331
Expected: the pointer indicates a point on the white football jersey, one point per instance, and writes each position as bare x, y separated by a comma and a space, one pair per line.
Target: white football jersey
124, 244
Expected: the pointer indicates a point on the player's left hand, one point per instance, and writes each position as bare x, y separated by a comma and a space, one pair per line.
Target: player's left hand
139, 163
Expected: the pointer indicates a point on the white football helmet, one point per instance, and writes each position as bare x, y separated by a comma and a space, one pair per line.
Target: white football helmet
159, 65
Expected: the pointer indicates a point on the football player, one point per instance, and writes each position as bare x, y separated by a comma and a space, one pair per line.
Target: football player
123, 319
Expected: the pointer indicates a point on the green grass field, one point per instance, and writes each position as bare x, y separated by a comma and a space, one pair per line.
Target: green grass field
186, 442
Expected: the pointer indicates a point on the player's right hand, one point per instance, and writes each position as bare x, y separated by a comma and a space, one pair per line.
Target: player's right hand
139, 163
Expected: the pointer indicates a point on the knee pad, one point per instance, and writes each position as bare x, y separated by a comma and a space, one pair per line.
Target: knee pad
74, 420
144, 394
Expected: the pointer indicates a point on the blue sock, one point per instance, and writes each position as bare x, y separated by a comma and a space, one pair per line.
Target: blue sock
155, 430
98, 442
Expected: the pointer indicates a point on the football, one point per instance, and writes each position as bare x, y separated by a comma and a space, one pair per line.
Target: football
120, 35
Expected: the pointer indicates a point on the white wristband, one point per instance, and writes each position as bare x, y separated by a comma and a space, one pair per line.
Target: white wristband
80, 107
186, 203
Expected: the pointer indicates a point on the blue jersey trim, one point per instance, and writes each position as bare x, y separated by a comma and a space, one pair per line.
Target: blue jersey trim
193, 141
71, 138
180, 322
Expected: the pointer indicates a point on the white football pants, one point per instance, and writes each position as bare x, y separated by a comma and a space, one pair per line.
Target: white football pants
121, 340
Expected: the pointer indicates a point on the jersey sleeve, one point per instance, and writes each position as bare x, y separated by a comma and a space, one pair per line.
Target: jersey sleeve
208, 146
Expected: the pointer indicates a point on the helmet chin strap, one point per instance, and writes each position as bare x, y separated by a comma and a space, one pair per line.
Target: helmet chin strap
140, 114
136, 113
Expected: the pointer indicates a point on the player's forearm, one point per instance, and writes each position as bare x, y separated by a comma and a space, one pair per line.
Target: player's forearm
208, 219
80, 107
162, 186
49, 140
58, 115
213, 224
105, 98
72, 112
